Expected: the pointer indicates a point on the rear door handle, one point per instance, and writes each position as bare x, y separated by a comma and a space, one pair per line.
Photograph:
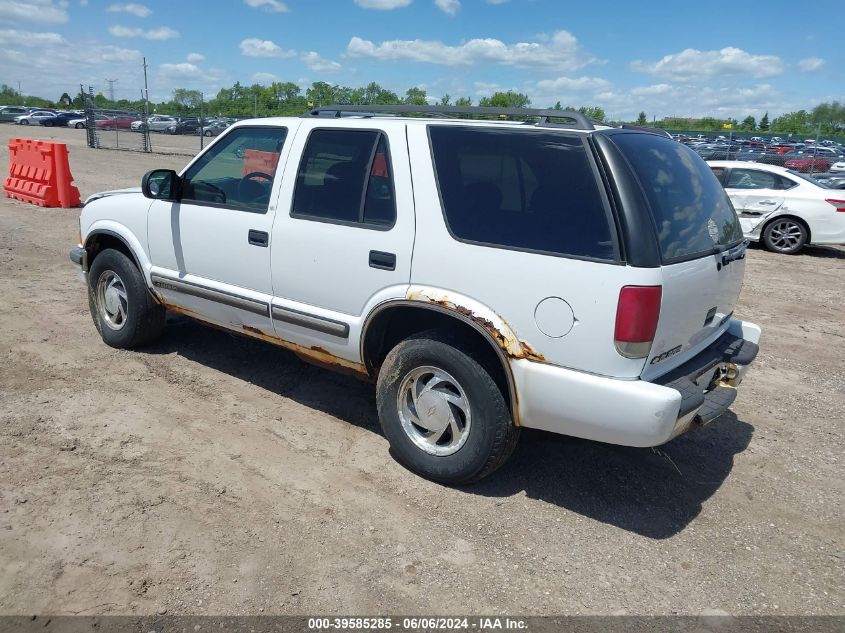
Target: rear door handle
258, 238
382, 260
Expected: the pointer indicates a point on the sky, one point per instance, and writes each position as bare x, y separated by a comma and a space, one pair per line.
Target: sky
720, 59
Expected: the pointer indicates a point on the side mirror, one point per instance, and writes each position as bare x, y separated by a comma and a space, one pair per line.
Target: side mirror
161, 184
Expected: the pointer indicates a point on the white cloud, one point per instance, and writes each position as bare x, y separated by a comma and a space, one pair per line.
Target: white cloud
449, 7
382, 4
195, 57
255, 47
13, 37
560, 51
181, 70
811, 64
691, 64
138, 10
42, 11
161, 33
264, 78
569, 84
319, 64
273, 6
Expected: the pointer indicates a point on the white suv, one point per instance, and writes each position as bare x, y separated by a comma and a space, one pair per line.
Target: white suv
487, 275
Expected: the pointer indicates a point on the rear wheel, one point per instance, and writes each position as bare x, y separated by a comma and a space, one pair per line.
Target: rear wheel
24, 122
79, 126
442, 412
785, 235
124, 312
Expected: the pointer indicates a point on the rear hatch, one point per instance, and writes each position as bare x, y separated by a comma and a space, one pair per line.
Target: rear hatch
701, 246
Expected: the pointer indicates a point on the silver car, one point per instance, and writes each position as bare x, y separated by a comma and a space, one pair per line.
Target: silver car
155, 123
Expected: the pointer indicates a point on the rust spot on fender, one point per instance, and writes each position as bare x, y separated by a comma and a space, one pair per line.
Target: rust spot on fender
503, 334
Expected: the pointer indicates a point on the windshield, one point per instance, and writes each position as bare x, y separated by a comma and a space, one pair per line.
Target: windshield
692, 213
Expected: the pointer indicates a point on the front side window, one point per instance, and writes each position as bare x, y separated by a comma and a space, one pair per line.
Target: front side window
345, 176
237, 172
521, 189
755, 179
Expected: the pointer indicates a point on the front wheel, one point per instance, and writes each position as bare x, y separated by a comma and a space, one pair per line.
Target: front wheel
443, 414
24, 122
785, 235
124, 312
79, 126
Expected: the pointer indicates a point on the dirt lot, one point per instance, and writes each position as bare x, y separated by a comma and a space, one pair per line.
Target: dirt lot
213, 474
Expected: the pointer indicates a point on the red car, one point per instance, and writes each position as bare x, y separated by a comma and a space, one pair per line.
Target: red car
809, 163
119, 122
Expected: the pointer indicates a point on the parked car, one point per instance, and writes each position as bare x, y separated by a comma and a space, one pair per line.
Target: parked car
214, 128
831, 180
9, 113
60, 119
807, 163
838, 167
187, 125
117, 122
477, 299
155, 123
781, 208
34, 118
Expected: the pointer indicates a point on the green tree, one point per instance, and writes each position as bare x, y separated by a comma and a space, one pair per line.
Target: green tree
792, 122
764, 122
642, 119
557, 106
748, 124
463, 102
445, 99
596, 113
509, 99
416, 96
187, 99
65, 99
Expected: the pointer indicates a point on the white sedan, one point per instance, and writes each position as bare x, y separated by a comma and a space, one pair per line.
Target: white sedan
781, 208
838, 168
34, 118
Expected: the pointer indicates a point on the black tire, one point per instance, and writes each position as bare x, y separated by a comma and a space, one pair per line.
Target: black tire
24, 122
492, 435
143, 318
48, 124
79, 126
785, 235
207, 133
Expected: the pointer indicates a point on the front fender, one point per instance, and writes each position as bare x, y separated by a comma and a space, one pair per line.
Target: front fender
125, 235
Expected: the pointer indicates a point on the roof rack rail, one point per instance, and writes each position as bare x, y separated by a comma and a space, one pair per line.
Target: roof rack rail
545, 117
645, 128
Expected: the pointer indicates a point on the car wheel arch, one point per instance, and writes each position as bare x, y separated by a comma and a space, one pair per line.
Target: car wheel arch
789, 216
101, 239
393, 321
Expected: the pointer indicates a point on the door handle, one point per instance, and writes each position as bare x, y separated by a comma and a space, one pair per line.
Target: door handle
382, 260
768, 202
258, 238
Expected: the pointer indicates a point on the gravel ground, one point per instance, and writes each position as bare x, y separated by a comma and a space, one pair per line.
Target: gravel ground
212, 474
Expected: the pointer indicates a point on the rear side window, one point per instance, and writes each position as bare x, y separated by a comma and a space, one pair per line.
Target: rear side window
691, 210
345, 177
523, 190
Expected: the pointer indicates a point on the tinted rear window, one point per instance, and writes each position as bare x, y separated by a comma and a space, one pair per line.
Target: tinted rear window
691, 210
522, 190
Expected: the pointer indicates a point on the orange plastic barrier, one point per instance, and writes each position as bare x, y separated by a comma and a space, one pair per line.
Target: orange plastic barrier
258, 160
39, 173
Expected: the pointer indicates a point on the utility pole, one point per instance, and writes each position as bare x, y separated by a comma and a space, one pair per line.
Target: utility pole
111, 83
20, 94
255, 100
146, 131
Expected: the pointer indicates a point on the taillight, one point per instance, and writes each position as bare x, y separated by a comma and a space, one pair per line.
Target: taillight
839, 204
636, 320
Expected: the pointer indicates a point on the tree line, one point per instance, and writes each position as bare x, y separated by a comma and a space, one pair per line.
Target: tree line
284, 98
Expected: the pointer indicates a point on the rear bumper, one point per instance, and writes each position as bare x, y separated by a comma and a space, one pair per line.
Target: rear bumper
635, 412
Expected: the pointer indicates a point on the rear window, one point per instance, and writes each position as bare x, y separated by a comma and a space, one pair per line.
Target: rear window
691, 210
523, 190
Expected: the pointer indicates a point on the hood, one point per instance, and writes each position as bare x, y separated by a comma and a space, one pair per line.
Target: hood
115, 192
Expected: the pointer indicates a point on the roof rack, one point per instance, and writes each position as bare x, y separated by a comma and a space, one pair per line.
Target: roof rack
545, 117
644, 128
